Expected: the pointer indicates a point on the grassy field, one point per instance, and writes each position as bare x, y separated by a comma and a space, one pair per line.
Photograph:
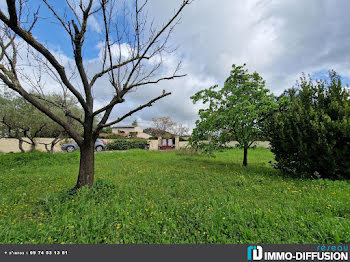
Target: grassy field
165, 197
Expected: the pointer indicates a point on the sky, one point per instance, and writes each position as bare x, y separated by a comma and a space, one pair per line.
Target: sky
277, 39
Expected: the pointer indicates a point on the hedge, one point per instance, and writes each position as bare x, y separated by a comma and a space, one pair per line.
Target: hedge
111, 136
125, 144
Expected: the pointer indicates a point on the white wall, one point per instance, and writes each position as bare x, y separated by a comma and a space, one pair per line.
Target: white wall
8, 145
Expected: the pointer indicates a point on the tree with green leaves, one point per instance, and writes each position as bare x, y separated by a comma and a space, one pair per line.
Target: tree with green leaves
310, 137
134, 123
20, 120
107, 130
235, 112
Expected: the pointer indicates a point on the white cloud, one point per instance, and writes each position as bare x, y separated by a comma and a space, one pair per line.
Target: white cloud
94, 24
278, 39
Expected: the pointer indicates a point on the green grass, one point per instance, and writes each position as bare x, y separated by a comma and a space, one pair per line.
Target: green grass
165, 197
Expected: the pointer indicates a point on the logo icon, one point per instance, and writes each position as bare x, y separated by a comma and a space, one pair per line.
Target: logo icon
254, 253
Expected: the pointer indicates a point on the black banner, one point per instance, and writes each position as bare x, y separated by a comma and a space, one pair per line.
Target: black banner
155, 253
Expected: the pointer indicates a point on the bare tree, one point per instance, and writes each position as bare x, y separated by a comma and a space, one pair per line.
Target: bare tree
144, 41
180, 130
164, 124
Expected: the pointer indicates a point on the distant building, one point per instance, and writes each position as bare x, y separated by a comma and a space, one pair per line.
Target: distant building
130, 130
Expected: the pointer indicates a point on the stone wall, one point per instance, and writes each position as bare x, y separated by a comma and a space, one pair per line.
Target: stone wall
153, 145
8, 145
184, 144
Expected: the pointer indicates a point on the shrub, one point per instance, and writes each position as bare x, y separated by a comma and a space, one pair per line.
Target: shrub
111, 136
310, 137
125, 144
133, 134
107, 130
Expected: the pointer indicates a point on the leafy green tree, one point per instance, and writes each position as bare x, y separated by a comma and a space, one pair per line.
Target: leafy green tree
310, 137
134, 123
107, 130
22, 121
234, 112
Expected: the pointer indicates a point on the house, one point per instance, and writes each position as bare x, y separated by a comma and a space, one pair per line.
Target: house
130, 130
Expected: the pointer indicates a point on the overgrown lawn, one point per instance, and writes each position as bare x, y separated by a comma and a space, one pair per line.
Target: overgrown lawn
164, 197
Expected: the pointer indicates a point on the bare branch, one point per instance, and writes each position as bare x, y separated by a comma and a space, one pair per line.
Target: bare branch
118, 99
34, 20
74, 12
107, 41
78, 42
155, 81
63, 108
110, 69
153, 41
64, 25
135, 110
114, 101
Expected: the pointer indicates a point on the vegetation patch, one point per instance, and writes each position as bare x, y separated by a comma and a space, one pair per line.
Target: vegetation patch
126, 144
310, 136
164, 197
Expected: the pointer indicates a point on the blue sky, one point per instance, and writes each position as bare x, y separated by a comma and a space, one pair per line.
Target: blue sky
49, 31
323, 74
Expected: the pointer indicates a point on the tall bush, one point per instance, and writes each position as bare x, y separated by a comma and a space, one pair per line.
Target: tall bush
310, 137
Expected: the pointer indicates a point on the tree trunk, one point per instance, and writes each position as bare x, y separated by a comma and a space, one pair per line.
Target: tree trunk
87, 161
47, 148
32, 147
31, 143
245, 159
50, 147
50, 151
20, 145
